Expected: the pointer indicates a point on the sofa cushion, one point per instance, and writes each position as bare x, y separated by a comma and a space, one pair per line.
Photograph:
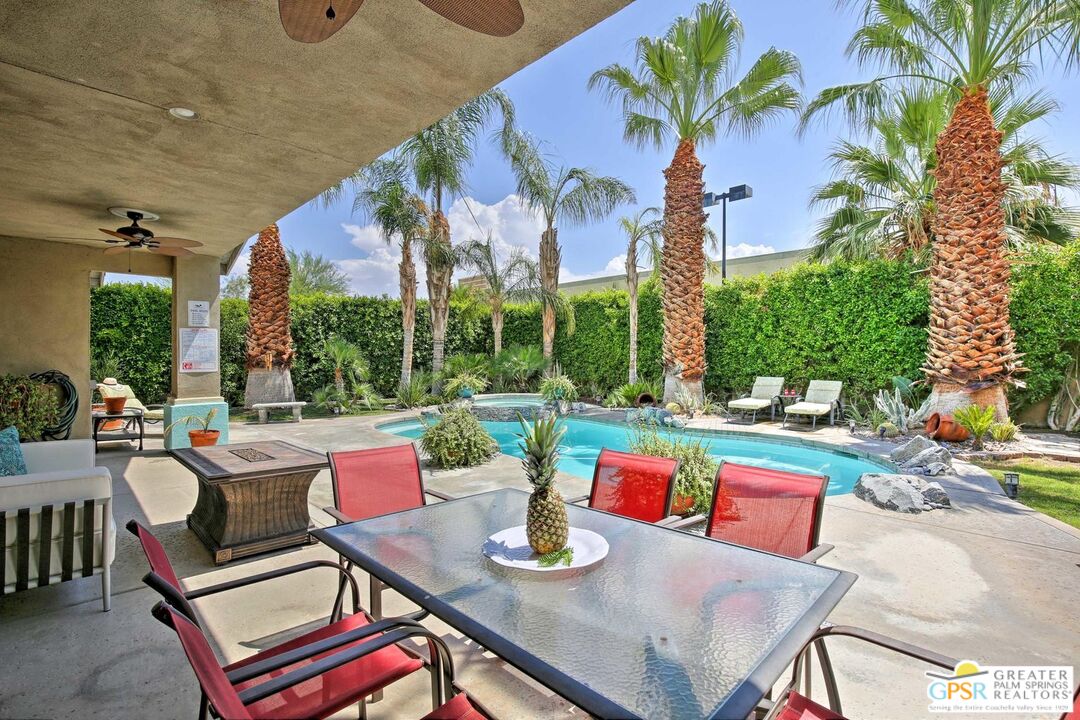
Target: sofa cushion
11, 456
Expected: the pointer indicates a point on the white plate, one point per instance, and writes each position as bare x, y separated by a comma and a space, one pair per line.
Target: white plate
510, 548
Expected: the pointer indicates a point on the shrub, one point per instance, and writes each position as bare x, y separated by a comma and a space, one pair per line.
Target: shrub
519, 367
465, 380
29, 405
697, 469
558, 387
476, 364
457, 440
416, 392
627, 395
977, 420
1004, 431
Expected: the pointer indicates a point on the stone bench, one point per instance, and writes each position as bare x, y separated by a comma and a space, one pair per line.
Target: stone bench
264, 410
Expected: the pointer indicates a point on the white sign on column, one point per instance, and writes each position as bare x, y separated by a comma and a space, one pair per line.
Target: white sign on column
198, 313
198, 350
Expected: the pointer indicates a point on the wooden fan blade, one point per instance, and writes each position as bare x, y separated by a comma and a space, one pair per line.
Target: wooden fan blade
116, 249
306, 21
175, 242
118, 236
174, 251
490, 17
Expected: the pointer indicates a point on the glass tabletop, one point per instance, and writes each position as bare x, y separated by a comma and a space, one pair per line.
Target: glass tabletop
668, 625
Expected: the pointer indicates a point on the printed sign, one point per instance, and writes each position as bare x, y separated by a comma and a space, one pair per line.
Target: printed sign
198, 312
198, 350
1025, 689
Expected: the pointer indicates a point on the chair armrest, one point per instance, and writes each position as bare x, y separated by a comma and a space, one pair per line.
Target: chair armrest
279, 572
341, 517
869, 636
576, 500
55, 488
817, 553
678, 523
440, 495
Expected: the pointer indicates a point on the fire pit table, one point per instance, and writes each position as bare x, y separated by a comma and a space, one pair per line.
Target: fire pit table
252, 496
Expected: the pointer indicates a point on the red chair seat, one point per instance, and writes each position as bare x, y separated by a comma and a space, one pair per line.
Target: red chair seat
802, 708
334, 690
459, 708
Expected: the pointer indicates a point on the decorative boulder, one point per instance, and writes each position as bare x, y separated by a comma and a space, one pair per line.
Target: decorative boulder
900, 493
911, 448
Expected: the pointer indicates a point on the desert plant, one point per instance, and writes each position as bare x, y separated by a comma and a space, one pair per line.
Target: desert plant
348, 363
457, 439
546, 525
697, 469
894, 408
518, 367
627, 395
454, 386
1004, 431
688, 401
202, 422
269, 337
29, 405
415, 392
558, 388
977, 420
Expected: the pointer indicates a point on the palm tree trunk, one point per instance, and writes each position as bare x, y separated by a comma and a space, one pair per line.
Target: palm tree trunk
970, 355
407, 287
497, 323
632, 287
550, 258
682, 271
438, 279
339, 381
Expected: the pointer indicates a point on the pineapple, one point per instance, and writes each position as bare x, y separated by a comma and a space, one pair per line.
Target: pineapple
545, 523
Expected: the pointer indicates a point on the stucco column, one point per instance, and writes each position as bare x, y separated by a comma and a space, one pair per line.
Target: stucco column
196, 389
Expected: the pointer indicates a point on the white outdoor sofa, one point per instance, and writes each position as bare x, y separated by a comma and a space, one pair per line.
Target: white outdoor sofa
57, 519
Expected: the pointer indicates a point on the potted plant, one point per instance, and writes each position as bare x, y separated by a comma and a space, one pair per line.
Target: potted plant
202, 436
558, 390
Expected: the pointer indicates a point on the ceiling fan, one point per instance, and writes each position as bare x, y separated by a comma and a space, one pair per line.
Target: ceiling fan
134, 236
312, 21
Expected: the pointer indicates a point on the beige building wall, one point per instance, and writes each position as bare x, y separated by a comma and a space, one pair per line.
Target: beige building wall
45, 308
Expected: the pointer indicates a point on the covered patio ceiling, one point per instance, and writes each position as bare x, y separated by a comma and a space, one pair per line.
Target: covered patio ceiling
85, 89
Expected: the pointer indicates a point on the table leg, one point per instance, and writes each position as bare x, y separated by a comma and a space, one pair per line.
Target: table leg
142, 432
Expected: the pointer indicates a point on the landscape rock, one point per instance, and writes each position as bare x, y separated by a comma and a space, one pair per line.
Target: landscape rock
911, 448
937, 469
901, 493
929, 457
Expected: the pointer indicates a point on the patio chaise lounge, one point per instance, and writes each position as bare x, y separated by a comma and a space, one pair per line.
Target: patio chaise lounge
764, 394
151, 413
822, 398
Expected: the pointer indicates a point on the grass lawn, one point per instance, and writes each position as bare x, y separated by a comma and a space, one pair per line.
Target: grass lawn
1048, 486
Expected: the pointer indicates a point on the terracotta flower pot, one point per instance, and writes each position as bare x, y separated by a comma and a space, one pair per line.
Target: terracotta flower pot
203, 438
645, 399
115, 404
945, 428
681, 504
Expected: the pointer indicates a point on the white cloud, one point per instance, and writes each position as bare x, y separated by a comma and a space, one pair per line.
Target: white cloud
511, 224
365, 237
615, 266
744, 250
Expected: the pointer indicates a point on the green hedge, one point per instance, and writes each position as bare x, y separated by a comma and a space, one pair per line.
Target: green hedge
861, 323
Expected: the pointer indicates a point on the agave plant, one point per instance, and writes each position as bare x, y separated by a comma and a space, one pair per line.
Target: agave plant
415, 392
897, 412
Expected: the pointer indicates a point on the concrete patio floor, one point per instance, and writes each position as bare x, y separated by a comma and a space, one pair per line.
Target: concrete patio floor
989, 580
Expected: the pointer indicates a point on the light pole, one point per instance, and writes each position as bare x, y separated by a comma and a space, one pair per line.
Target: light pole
737, 192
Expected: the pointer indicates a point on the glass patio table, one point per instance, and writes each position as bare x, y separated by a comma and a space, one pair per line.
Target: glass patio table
668, 625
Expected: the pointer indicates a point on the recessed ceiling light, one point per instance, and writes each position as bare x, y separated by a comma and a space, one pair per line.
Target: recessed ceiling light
183, 113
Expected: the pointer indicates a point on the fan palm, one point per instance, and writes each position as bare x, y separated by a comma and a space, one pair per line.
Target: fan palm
563, 196
644, 228
969, 48
439, 157
881, 198
382, 194
347, 361
684, 88
514, 279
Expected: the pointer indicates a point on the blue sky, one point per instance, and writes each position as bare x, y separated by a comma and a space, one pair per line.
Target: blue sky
582, 129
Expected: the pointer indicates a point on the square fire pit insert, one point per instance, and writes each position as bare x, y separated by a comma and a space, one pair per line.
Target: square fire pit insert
251, 455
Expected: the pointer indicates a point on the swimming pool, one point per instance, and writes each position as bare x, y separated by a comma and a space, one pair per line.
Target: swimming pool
509, 400
584, 439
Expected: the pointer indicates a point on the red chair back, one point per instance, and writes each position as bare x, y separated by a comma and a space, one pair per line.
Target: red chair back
155, 554
634, 486
771, 510
219, 691
368, 483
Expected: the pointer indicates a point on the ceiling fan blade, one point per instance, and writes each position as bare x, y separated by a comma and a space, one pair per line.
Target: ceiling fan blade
309, 21
174, 251
490, 17
175, 242
118, 236
116, 249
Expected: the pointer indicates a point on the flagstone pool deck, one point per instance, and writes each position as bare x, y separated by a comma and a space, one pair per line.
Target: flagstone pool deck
989, 580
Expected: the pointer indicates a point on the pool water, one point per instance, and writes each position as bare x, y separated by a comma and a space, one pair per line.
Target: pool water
585, 438
509, 401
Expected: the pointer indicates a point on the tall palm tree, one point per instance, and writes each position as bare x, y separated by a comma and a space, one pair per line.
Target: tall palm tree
439, 156
382, 194
969, 48
514, 279
313, 274
683, 88
563, 196
642, 229
881, 202
269, 334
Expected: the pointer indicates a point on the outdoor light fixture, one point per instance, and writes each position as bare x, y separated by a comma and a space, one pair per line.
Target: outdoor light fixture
1012, 485
737, 192
183, 113
851, 426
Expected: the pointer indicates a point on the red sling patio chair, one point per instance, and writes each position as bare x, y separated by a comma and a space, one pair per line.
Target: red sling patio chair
369, 483
639, 487
342, 685
310, 681
771, 510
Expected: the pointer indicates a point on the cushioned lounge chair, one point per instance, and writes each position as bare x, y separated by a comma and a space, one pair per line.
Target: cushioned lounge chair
151, 413
764, 394
822, 398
